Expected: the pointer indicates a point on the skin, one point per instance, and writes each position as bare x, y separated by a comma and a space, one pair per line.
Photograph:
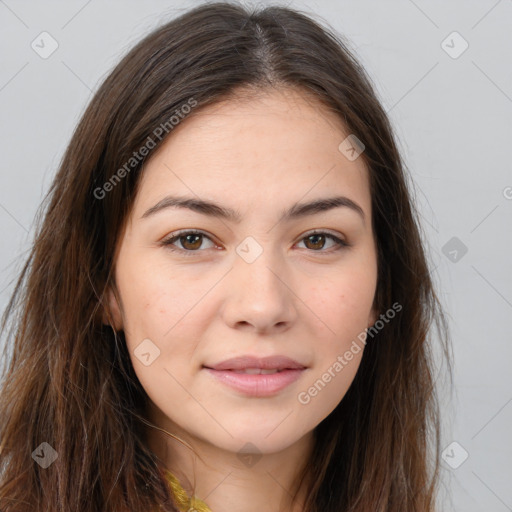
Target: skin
301, 297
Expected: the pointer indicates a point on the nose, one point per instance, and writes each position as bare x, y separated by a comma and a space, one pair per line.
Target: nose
258, 298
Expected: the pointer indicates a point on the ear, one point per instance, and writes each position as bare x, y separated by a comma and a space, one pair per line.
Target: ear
112, 310
373, 317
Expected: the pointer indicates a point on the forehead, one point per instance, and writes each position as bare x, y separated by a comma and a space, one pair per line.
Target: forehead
276, 146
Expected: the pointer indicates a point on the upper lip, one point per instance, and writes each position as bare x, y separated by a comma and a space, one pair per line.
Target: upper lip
265, 363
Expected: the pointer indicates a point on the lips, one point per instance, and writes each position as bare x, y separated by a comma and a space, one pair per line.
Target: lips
250, 364
257, 377
257, 371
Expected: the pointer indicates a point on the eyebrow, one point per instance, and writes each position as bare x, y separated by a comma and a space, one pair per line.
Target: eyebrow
212, 209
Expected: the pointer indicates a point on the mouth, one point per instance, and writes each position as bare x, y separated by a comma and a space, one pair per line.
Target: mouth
255, 364
259, 371
257, 377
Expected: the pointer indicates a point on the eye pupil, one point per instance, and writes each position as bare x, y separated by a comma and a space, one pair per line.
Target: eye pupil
191, 242
195, 244
322, 237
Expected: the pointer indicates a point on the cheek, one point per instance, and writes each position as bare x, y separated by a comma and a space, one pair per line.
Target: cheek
329, 384
344, 305
165, 315
156, 319
154, 299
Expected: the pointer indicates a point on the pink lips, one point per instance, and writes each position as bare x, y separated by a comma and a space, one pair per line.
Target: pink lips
230, 372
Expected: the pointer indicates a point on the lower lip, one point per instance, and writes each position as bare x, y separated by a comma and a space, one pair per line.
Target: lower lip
257, 385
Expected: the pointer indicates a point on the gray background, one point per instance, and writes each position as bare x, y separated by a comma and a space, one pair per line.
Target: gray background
453, 120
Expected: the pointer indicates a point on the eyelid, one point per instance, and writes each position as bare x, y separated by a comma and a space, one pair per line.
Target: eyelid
176, 235
169, 240
320, 231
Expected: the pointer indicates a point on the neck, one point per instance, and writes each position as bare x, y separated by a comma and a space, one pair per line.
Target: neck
229, 481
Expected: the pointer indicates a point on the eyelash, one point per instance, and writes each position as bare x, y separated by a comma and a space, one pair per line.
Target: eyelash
176, 236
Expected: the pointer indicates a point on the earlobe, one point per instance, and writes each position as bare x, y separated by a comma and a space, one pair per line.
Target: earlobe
374, 315
112, 311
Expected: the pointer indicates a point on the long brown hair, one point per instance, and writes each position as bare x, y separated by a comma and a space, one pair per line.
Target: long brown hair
69, 381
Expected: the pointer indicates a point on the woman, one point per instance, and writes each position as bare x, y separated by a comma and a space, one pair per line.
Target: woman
285, 365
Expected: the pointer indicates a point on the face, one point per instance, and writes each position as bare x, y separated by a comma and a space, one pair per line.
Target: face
259, 276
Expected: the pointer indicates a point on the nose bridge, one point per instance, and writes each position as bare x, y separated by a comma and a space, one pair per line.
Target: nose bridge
256, 264
257, 292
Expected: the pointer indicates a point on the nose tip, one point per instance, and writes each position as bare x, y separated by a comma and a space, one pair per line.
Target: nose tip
258, 297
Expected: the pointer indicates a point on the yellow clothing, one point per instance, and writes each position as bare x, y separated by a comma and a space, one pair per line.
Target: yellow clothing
185, 504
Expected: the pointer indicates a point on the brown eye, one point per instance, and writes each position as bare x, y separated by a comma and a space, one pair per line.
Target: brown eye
190, 241
317, 241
